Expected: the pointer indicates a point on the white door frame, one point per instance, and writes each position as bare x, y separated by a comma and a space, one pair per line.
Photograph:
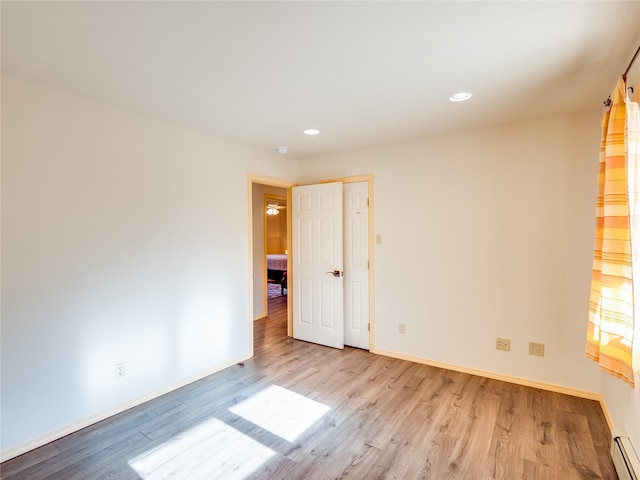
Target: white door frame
286, 184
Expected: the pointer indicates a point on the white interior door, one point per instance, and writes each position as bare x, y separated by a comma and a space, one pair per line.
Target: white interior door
317, 235
356, 264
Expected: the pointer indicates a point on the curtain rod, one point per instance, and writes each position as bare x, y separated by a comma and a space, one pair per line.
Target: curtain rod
624, 75
607, 102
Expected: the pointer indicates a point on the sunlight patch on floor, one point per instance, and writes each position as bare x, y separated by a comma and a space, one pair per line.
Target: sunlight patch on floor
211, 450
215, 450
281, 411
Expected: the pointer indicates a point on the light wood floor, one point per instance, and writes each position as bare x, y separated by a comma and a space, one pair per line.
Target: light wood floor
302, 411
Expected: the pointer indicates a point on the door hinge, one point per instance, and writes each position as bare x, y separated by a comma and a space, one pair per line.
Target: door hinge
368, 264
368, 327
367, 202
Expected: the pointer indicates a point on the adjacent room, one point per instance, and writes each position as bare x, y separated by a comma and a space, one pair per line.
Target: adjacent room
319, 239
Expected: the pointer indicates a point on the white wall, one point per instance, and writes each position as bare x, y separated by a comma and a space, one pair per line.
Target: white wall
485, 233
124, 239
115, 248
623, 403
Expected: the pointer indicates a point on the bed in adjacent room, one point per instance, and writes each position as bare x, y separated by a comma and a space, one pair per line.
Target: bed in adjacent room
277, 270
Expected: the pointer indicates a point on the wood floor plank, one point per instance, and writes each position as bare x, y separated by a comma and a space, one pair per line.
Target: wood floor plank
39, 455
575, 433
381, 418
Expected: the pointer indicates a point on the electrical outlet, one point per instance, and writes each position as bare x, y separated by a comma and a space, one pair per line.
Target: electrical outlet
536, 349
120, 370
503, 344
402, 328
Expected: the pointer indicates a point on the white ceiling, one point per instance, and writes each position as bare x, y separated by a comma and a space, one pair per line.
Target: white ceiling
363, 73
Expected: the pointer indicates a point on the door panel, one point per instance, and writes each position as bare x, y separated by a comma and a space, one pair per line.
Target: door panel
356, 263
318, 251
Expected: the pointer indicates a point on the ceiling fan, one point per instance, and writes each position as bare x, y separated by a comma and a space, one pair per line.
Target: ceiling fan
274, 208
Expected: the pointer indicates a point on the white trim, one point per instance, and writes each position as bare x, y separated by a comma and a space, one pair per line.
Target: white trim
608, 417
74, 427
499, 376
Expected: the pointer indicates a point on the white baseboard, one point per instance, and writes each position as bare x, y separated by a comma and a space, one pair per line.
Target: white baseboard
74, 427
607, 416
497, 376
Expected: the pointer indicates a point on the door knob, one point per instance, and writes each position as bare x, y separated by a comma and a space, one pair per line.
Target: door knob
336, 273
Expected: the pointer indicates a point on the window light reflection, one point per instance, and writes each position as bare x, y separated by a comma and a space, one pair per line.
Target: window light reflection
215, 450
211, 450
280, 411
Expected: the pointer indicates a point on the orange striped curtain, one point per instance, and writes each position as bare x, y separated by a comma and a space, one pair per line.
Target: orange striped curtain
632, 140
611, 306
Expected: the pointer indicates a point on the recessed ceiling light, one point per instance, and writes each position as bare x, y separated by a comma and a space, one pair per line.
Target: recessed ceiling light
311, 131
282, 150
460, 96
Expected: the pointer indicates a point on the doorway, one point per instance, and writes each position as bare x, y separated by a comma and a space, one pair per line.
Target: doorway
332, 262
258, 186
269, 235
276, 247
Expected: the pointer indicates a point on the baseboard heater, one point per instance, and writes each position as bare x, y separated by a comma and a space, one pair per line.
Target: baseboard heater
625, 458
